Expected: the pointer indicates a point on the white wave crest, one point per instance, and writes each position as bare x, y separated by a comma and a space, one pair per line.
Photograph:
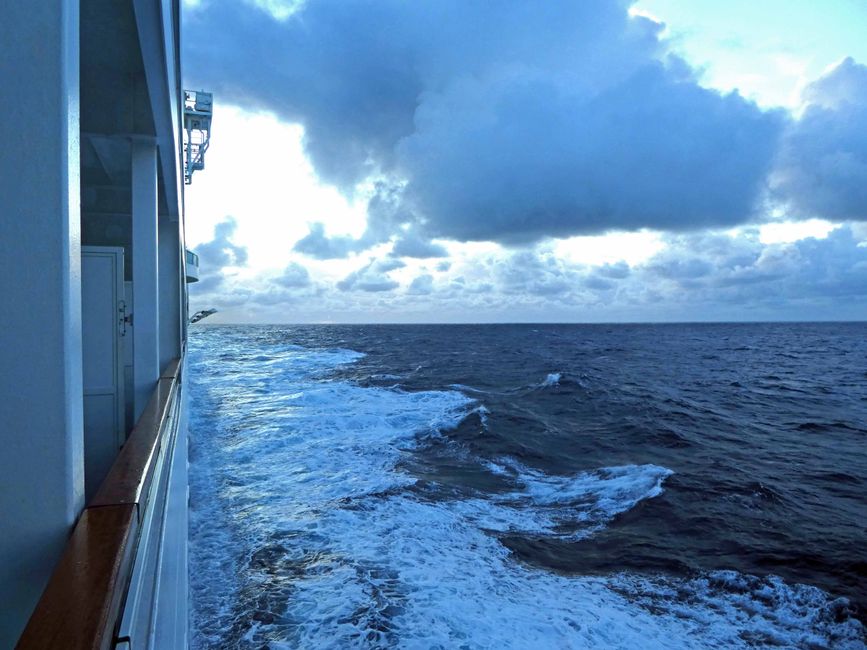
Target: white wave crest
409, 574
744, 610
570, 507
305, 533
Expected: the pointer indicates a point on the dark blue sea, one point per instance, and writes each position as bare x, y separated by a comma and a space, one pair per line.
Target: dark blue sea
529, 486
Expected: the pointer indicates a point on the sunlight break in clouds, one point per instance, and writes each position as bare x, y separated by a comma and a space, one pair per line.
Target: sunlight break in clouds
259, 175
520, 162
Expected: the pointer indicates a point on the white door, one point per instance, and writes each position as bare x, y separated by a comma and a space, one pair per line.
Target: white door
102, 334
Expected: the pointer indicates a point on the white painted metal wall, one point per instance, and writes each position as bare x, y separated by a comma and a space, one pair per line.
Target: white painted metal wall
41, 464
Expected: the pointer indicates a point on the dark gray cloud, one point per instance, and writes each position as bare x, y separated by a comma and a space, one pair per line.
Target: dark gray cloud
504, 121
372, 277
822, 168
835, 267
353, 72
606, 280
534, 159
207, 284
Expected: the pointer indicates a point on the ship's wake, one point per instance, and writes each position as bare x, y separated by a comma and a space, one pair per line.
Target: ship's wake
306, 532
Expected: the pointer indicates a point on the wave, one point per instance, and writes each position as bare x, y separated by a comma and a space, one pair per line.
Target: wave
306, 532
387, 376
274, 449
567, 507
551, 380
468, 389
742, 610
400, 572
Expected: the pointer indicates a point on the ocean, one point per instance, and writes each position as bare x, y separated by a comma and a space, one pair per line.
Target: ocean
528, 486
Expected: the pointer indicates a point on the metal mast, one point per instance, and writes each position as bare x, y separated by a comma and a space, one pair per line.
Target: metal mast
198, 109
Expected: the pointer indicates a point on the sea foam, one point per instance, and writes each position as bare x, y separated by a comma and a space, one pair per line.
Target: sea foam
306, 533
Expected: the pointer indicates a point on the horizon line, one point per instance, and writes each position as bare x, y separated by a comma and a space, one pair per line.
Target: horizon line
423, 323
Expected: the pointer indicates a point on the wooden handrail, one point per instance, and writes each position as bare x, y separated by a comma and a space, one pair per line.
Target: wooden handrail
79, 608
130, 474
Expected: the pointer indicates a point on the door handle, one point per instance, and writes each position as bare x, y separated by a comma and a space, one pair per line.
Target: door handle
124, 317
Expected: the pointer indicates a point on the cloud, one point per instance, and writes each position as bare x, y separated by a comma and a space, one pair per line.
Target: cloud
217, 255
294, 276
526, 159
724, 270
681, 268
321, 247
411, 245
528, 272
598, 283
508, 122
373, 277
421, 285
221, 252
703, 276
516, 123
822, 167
842, 86
386, 219
616, 271
260, 294
722, 275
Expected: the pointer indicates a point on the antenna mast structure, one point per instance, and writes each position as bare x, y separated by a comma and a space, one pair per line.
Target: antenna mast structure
198, 110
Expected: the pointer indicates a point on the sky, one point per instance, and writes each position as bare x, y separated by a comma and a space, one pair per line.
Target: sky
505, 161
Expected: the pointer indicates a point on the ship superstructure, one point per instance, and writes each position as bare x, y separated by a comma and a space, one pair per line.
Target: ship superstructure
93, 281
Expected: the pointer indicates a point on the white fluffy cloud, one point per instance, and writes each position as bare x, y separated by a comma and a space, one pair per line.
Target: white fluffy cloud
711, 275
